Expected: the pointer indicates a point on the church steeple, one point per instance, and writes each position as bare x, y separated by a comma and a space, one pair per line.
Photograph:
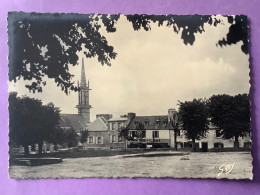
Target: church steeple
83, 104
83, 76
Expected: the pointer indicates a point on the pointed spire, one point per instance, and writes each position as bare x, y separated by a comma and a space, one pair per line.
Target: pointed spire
83, 77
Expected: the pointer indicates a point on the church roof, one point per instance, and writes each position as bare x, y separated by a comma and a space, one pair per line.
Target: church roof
76, 121
100, 124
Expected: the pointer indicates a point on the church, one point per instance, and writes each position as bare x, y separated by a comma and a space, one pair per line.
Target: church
79, 121
98, 129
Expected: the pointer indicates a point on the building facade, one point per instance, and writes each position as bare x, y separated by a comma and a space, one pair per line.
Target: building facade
158, 133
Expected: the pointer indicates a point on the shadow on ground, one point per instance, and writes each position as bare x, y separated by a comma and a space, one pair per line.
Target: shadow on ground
156, 155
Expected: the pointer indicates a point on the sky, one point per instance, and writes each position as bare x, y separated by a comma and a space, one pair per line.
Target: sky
152, 71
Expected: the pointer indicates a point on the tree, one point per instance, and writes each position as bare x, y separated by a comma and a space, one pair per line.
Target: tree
24, 118
49, 121
189, 25
174, 121
194, 119
71, 138
31, 122
231, 115
124, 134
58, 137
83, 136
140, 133
44, 45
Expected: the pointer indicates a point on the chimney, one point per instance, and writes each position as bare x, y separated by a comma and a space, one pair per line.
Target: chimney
131, 115
171, 113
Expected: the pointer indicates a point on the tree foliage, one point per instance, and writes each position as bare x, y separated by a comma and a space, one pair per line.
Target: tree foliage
190, 25
140, 132
231, 115
31, 122
83, 136
194, 119
44, 45
71, 138
238, 31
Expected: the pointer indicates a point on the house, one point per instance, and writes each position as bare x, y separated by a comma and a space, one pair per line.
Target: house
213, 140
98, 133
158, 133
115, 125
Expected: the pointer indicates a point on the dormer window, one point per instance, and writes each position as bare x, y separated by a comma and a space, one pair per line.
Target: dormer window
164, 122
136, 122
146, 122
157, 122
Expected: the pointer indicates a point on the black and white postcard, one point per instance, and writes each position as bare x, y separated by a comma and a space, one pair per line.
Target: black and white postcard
97, 95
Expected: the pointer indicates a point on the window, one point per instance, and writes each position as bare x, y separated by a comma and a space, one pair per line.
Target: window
164, 122
218, 145
143, 134
100, 140
178, 132
120, 139
136, 122
218, 133
247, 144
91, 140
113, 138
146, 122
155, 134
120, 126
133, 133
157, 122
113, 126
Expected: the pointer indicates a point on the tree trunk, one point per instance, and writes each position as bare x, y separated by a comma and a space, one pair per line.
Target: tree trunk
175, 140
193, 145
125, 144
26, 149
236, 143
40, 144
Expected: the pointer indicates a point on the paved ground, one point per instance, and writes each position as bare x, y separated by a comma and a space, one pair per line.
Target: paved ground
149, 164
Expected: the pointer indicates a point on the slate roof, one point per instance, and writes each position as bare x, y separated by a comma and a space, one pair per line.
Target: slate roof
100, 124
151, 122
118, 119
75, 121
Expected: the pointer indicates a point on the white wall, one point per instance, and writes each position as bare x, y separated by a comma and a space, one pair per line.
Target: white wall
163, 134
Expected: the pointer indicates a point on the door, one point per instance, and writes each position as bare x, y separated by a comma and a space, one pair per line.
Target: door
204, 146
